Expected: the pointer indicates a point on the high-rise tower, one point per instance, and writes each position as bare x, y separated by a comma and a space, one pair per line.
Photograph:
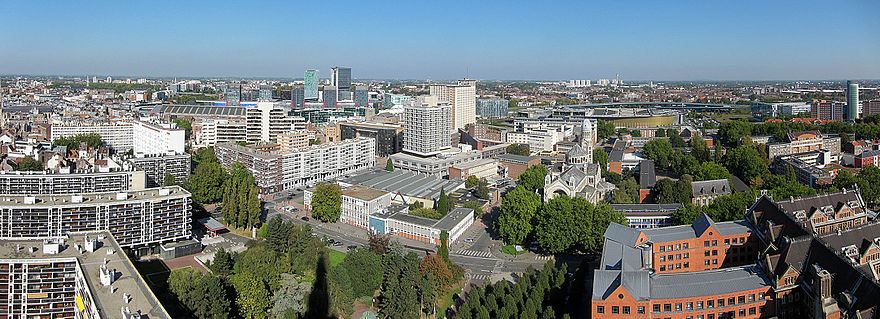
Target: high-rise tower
852, 100
310, 85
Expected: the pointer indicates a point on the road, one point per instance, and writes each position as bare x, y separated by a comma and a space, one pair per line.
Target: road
481, 257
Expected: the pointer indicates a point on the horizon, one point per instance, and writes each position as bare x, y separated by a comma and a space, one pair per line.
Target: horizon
523, 41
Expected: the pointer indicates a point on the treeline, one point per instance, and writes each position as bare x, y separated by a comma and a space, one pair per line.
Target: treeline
548, 294
733, 133
91, 140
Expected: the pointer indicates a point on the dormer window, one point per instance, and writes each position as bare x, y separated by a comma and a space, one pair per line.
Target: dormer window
852, 252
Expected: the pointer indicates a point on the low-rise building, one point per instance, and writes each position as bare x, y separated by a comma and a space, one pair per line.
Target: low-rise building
483, 168
67, 182
437, 165
704, 193
646, 216
516, 164
359, 202
396, 220
803, 142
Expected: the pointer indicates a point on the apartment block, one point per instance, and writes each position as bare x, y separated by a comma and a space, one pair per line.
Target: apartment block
135, 218
39, 183
462, 97
276, 170
803, 142
156, 167
117, 135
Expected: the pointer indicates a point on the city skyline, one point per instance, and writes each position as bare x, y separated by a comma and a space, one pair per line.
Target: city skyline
522, 41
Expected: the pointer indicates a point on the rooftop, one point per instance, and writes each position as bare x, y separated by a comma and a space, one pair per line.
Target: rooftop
109, 303
91, 198
363, 192
404, 182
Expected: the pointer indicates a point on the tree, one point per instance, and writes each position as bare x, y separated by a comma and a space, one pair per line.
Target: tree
290, 300
676, 140
669, 192
566, 224
427, 213
660, 151
91, 140
434, 265
471, 182
253, 204
626, 191
169, 180
686, 214
186, 125
222, 263
389, 165
476, 206
710, 170
745, 161
443, 203
326, 202
379, 243
482, 190
660, 133
600, 157
533, 178
208, 179
605, 129
699, 149
364, 269
400, 288
518, 149
252, 295
731, 133
518, 208
443, 250
203, 295
29, 164
277, 234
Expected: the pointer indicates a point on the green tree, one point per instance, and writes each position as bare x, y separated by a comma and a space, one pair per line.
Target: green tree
92, 140
364, 269
169, 180
600, 157
389, 165
626, 191
699, 149
677, 141
203, 295
252, 295
669, 192
443, 203
426, 212
660, 133
186, 125
443, 250
482, 190
207, 181
686, 215
745, 161
476, 206
518, 208
605, 129
518, 149
254, 207
29, 164
290, 300
660, 151
533, 178
732, 133
326, 202
471, 182
222, 263
566, 224
710, 170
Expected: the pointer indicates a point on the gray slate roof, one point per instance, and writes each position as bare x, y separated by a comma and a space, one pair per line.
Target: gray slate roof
710, 187
704, 283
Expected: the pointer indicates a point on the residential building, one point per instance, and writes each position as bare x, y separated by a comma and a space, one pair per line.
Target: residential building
137, 219
802, 142
867, 158
647, 216
388, 137
117, 135
396, 100
266, 121
426, 127
52, 279
462, 97
157, 167
396, 220
492, 108
276, 170
827, 110
210, 132
157, 138
808, 167
703, 193
68, 182
292, 140
871, 108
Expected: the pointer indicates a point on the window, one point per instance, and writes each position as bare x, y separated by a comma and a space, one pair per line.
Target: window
685, 245
727, 241
662, 249
667, 307
741, 299
626, 310
686, 255
752, 298
600, 309
752, 311
677, 246
656, 308
615, 309
678, 256
689, 306
699, 305
714, 243
706, 243
742, 312
706, 262
662, 258
731, 301
687, 265
678, 307
710, 316
662, 268
706, 253
760, 296
714, 253
641, 310
669, 247
710, 304
677, 266
720, 303
714, 261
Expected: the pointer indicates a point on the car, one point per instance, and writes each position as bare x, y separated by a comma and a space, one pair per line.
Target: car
337, 244
305, 218
469, 240
352, 247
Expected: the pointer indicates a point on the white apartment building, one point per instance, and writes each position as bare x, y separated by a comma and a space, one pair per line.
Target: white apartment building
359, 202
463, 98
266, 121
538, 140
283, 170
155, 139
210, 132
66, 182
427, 127
116, 135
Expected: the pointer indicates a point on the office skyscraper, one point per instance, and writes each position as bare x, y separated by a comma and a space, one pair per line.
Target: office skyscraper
330, 97
852, 100
232, 94
341, 79
426, 126
297, 97
310, 85
361, 96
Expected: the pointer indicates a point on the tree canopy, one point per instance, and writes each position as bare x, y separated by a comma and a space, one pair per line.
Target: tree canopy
517, 210
533, 177
660, 151
326, 202
518, 149
29, 164
567, 224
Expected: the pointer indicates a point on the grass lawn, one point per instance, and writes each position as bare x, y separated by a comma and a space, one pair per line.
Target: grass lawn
446, 301
336, 257
510, 250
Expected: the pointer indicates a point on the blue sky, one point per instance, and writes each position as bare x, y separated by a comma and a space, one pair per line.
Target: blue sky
529, 40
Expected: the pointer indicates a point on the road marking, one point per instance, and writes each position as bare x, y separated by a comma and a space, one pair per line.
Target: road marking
474, 253
541, 257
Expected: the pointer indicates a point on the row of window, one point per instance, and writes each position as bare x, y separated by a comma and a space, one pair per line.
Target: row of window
688, 306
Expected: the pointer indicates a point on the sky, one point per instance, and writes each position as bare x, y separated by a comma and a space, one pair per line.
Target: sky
442, 40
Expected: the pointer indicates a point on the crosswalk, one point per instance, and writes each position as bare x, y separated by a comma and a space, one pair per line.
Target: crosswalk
542, 257
477, 276
474, 253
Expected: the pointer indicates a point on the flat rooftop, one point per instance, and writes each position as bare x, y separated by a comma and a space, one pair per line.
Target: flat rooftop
109, 303
708, 283
405, 182
363, 192
91, 198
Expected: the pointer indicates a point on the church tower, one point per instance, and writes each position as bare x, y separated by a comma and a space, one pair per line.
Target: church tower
588, 139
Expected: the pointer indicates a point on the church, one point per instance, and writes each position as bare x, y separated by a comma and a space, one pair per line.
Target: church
579, 176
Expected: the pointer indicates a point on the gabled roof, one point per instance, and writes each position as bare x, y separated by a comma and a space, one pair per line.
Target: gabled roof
622, 234
710, 187
701, 224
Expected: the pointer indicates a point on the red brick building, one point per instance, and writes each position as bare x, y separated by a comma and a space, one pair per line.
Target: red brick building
867, 158
516, 164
